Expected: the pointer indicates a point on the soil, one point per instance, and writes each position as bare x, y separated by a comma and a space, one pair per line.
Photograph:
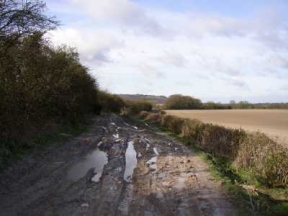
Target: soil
114, 169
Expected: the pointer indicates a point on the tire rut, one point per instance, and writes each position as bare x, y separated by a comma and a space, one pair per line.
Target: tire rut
168, 179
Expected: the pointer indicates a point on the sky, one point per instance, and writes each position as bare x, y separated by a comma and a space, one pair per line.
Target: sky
218, 50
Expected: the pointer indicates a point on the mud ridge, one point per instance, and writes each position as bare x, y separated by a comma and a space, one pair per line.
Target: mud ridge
115, 169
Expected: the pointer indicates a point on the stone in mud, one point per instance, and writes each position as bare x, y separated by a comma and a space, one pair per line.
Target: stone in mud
85, 205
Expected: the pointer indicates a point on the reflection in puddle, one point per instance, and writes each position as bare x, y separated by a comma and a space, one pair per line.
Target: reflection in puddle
127, 124
131, 161
152, 163
147, 146
147, 140
156, 151
97, 159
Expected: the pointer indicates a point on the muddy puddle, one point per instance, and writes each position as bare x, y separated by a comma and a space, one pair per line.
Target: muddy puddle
97, 160
131, 161
151, 175
152, 163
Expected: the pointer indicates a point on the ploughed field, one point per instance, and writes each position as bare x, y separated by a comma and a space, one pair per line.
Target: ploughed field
274, 123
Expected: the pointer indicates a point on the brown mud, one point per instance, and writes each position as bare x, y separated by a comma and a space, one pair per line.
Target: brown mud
114, 169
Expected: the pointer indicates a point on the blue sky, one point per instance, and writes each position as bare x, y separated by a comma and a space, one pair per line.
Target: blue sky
214, 50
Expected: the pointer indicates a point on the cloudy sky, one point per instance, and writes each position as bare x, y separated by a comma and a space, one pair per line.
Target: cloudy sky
215, 50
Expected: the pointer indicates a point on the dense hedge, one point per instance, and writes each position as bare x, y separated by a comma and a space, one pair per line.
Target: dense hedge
40, 87
179, 102
110, 103
135, 107
266, 160
39, 83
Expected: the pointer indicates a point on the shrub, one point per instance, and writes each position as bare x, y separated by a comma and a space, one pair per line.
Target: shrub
135, 107
110, 103
162, 112
219, 140
143, 114
39, 83
182, 102
173, 123
190, 129
263, 158
40, 86
154, 117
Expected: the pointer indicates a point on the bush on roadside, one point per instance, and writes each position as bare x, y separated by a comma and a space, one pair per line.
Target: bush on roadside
144, 114
173, 123
39, 83
154, 117
263, 158
135, 107
41, 86
110, 103
179, 102
191, 129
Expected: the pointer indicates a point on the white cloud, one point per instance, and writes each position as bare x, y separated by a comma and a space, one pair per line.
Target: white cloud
94, 46
133, 49
121, 12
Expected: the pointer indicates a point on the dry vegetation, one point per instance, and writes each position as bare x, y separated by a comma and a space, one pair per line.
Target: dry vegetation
271, 122
259, 156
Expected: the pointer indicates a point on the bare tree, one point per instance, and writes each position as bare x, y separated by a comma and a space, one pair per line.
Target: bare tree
19, 18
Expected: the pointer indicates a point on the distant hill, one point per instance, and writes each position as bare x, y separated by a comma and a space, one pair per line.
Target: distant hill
151, 98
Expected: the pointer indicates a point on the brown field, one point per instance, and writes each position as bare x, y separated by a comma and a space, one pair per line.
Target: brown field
271, 122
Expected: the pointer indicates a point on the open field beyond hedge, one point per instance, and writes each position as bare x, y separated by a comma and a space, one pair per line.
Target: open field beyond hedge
271, 122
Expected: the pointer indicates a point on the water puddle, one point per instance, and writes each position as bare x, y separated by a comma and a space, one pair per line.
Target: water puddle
131, 161
152, 163
147, 140
156, 151
117, 140
116, 136
147, 146
127, 124
97, 160
105, 129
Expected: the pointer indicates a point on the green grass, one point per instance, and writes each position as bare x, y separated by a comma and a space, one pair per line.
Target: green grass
265, 201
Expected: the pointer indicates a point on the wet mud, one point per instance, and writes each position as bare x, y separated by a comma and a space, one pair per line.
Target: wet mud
117, 168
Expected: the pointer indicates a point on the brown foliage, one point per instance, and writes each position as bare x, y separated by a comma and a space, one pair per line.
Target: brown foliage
254, 152
135, 107
179, 102
110, 103
154, 117
143, 114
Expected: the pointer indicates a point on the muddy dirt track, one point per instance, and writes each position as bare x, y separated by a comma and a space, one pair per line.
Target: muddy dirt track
114, 169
